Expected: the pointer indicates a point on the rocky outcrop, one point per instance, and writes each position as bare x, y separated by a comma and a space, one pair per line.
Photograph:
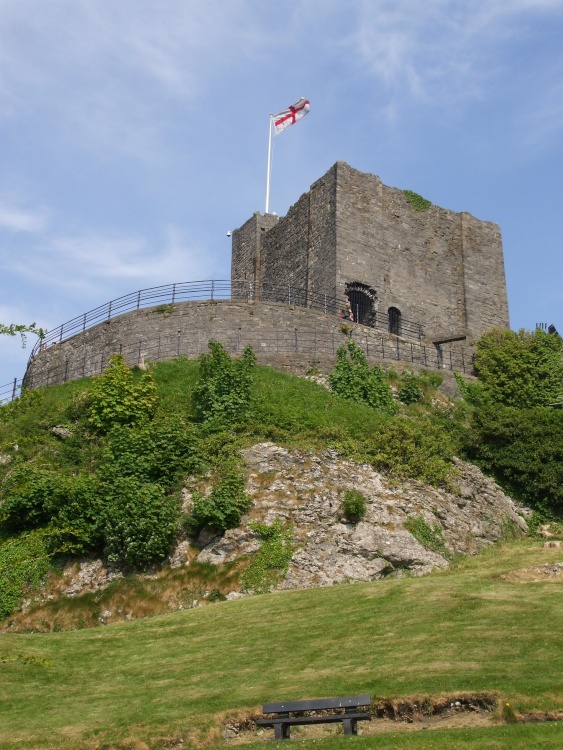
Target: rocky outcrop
307, 491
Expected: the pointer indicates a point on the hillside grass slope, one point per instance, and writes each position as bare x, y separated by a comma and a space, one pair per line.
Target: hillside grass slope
182, 674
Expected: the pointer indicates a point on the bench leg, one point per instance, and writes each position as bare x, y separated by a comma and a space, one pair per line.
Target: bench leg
281, 731
350, 726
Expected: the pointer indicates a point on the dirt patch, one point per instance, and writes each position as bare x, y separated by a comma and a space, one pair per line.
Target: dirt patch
545, 573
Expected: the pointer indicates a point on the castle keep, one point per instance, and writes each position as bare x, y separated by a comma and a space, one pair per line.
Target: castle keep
352, 236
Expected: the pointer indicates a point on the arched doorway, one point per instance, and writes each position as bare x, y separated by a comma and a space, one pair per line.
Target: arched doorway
394, 318
362, 302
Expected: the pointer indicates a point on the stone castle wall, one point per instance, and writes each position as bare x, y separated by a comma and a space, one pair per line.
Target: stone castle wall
442, 269
289, 338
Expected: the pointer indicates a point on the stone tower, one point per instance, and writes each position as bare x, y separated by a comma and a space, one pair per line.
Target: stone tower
351, 236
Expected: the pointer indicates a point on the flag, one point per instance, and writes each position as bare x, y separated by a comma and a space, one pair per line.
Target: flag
290, 116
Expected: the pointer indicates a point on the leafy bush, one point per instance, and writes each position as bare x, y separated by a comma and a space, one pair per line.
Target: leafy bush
140, 523
223, 508
410, 389
270, 563
523, 449
523, 369
354, 505
161, 451
417, 449
115, 399
222, 393
353, 379
24, 562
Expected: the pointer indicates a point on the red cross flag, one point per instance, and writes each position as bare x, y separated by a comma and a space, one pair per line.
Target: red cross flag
290, 116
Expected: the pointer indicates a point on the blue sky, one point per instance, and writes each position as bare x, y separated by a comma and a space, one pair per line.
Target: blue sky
134, 134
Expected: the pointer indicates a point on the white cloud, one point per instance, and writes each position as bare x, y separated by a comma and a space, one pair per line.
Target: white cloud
84, 264
16, 219
103, 73
440, 52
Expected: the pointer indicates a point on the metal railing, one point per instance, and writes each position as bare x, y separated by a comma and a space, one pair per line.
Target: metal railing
299, 342
267, 345
211, 290
10, 391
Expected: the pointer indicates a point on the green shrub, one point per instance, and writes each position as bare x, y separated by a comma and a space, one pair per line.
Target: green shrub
24, 562
523, 449
223, 508
161, 451
269, 565
222, 392
418, 449
416, 201
523, 369
430, 537
115, 399
410, 388
354, 505
140, 523
353, 379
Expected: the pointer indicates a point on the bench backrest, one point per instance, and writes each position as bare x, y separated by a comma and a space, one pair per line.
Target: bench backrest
350, 701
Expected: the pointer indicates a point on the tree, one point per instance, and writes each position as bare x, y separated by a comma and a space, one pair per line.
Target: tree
14, 329
521, 370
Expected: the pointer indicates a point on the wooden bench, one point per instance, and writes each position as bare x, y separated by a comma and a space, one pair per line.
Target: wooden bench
281, 720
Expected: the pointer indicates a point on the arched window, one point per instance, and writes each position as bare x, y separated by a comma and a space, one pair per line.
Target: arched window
362, 300
394, 317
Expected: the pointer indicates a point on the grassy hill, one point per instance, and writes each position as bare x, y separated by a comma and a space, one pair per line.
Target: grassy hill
180, 675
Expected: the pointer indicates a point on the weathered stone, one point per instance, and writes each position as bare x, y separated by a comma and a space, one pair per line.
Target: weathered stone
89, 576
307, 491
180, 555
62, 432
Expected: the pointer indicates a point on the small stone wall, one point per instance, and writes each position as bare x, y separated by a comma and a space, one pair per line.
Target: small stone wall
287, 338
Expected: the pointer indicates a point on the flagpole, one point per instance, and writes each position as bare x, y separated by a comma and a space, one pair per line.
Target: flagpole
269, 166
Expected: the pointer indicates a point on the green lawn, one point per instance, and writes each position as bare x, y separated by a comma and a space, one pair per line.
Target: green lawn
461, 630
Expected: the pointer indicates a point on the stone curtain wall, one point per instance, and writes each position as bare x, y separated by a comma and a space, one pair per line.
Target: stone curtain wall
442, 269
288, 338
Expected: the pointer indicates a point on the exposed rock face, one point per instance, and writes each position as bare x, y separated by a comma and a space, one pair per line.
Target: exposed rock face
88, 576
307, 491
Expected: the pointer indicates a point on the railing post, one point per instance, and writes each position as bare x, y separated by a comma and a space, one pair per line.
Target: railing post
173, 293
84, 323
212, 288
109, 311
138, 299
14, 389
61, 333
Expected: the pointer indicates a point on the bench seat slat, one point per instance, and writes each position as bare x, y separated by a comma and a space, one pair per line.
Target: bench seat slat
294, 721
350, 701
